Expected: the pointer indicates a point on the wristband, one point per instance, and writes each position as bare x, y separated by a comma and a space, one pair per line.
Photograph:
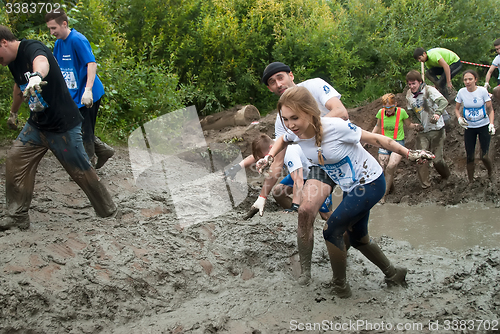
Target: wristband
36, 74
263, 197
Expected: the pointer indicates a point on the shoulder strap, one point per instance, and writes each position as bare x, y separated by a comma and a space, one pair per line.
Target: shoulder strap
398, 115
382, 113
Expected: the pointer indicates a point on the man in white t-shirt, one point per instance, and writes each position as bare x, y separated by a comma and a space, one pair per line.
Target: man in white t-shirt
429, 105
278, 77
494, 65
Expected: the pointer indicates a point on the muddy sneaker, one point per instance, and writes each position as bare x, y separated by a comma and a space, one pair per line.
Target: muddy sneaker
103, 152
116, 215
342, 290
304, 279
7, 223
399, 278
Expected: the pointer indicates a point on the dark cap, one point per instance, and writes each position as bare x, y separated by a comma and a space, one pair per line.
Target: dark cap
274, 68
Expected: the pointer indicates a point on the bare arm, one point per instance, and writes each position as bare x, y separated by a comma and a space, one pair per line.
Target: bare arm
490, 72
447, 71
336, 108
91, 72
377, 127
384, 142
491, 112
274, 173
41, 65
278, 153
457, 110
409, 125
247, 162
17, 99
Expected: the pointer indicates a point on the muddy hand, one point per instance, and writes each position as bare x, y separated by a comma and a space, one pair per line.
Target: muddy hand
434, 119
258, 206
12, 121
264, 163
35, 85
491, 129
87, 97
420, 156
463, 122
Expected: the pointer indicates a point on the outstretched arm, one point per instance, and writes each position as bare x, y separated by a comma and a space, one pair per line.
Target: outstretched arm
384, 142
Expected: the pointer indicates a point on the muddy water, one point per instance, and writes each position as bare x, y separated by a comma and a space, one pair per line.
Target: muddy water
457, 227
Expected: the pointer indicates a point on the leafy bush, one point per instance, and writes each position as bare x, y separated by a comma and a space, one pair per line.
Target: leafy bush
159, 55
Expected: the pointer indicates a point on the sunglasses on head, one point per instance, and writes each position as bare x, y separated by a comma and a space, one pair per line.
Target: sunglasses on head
389, 107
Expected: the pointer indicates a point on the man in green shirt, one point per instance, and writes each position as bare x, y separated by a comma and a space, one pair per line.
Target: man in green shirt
440, 61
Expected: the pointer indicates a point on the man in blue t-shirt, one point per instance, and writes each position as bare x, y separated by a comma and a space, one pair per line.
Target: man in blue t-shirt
78, 66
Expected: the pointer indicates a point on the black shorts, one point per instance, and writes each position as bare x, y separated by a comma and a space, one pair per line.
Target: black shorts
316, 173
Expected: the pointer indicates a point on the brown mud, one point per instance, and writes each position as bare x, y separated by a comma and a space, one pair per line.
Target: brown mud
73, 272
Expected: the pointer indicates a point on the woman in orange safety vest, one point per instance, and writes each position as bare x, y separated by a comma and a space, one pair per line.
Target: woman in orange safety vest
390, 122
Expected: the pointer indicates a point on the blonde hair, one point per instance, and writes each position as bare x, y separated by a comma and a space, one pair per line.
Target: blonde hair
261, 145
299, 99
388, 99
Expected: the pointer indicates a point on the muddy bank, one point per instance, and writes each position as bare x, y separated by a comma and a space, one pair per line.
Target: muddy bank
75, 273
155, 272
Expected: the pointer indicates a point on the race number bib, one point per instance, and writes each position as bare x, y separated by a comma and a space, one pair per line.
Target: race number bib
474, 114
342, 172
70, 78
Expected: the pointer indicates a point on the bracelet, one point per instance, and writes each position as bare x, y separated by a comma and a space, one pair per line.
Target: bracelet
269, 155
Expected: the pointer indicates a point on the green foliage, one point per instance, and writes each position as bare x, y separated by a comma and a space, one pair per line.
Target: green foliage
156, 56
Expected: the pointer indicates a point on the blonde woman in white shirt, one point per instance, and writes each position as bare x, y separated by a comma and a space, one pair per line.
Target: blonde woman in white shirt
333, 145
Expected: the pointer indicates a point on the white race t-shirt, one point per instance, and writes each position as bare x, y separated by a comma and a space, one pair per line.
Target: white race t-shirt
496, 62
295, 159
474, 104
321, 91
346, 161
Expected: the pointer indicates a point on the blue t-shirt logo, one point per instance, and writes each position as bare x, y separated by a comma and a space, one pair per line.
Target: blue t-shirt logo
326, 89
352, 126
290, 164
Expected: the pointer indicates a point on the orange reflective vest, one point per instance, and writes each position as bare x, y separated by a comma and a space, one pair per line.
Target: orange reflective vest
396, 125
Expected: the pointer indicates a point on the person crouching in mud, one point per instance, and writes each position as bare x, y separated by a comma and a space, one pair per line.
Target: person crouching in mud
334, 147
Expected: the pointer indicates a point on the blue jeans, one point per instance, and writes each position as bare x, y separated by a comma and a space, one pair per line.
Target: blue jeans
23, 159
353, 212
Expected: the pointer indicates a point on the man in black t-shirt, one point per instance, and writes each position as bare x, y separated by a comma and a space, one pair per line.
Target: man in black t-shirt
54, 124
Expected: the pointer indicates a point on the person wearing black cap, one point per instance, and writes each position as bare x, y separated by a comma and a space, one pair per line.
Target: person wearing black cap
278, 77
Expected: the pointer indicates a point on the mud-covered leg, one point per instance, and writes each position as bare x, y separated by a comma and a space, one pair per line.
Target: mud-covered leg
21, 164
68, 149
314, 194
393, 275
